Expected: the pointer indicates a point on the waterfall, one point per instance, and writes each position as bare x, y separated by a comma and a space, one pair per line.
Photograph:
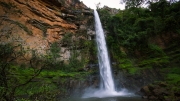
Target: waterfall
107, 88
107, 82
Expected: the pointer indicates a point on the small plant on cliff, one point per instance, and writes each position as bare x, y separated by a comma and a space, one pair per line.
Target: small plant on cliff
67, 39
10, 8
52, 57
7, 5
25, 28
55, 51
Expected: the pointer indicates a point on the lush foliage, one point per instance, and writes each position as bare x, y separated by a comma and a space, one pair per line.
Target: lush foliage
12, 76
131, 32
36, 78
145, 41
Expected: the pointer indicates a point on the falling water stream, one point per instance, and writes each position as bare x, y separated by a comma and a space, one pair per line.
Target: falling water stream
107, 87
107, 83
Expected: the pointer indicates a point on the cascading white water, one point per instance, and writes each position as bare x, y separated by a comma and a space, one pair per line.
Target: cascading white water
107, 82
107, 87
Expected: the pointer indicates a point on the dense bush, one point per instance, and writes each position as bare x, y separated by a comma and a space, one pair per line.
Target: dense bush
130, 32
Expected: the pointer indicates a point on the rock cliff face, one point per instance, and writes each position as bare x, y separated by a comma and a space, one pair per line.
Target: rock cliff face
36, 24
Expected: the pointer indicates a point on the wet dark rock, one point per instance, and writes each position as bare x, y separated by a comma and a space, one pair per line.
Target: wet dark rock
87, 12
160, 91
154, 98
39, 24
177, 93
163, 84
77, 11
144, 97
152, 87
69, 16
83, 27
178, 98
145, 90
91, 32
57, 3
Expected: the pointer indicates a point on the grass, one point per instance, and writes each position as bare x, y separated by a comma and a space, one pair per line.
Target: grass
148, 63
127, 64
154, 61
172, 75
48, 84
37, 88
133, 71
174, 78
58, 74
157, 51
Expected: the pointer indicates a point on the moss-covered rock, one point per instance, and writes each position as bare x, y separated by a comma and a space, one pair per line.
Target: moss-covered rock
161, 91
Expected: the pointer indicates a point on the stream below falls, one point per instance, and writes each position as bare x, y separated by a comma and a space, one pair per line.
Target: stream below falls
119, 98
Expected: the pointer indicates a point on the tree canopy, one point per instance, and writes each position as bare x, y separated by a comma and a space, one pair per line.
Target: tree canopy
141, 3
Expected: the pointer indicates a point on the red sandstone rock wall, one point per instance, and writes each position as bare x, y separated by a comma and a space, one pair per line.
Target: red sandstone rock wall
35, 24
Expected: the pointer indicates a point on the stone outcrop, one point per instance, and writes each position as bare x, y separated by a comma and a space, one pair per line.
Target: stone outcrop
36, 24
113, 11
160, 91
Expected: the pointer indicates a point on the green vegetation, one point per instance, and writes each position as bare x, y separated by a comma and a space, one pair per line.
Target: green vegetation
172, 76
10, 7
22, 26
43, 78
11, 76
146, 39
131, 32
40, 25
